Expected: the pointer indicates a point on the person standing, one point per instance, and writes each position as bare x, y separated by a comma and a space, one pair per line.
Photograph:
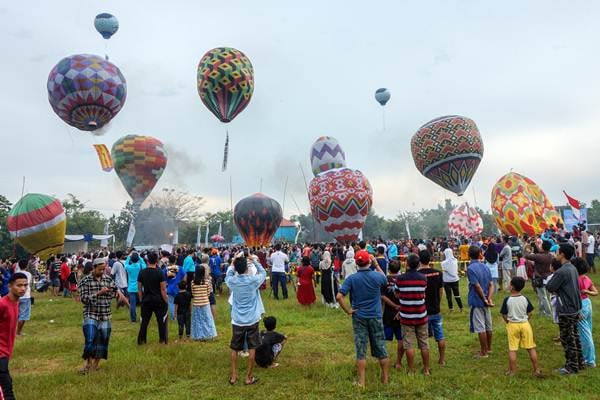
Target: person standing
9, 313
246, 310
133, 265
329, 285
25, 300
119, 274
391, 306
365, 288
278, 277
54, 274
203, 324
306, 283
152, 290
215, 261
450, 279
506, 263
541, 270
189, 266
590, 251
96, 291
586, 288
65, 271
480, 291
433, 298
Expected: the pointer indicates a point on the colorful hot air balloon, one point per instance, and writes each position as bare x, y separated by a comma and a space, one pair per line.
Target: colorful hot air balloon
464, 221
340, 200
86, 91
257, 218
225, 82
325, 154
382, 95
448, 151
38, 223
139, 162
106, 24
520, 206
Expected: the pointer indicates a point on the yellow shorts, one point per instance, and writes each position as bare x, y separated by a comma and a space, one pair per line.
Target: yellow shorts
520, 335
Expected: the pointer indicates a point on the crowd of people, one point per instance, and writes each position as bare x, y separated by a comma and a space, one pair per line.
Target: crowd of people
394, 291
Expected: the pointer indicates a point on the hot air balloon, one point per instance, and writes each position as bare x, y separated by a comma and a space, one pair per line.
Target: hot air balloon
340, 200
106, 24
464, 221
325, 154
86, 91
382, 95
448, 151
139, 162
520, 206
38, 223
257, 218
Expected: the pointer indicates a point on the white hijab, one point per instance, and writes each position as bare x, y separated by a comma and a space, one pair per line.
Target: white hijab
449, 259
326, 263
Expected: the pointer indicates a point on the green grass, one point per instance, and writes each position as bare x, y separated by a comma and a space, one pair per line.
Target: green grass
318, 361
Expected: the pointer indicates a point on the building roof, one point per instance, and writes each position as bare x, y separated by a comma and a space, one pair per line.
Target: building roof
286, 223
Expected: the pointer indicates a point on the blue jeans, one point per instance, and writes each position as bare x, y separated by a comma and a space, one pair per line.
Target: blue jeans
171, 306
277, 278
133, 299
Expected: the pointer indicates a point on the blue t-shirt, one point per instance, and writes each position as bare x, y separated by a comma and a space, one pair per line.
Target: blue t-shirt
133, 270
188, 264
478, 273
383, 263
365, 289
173, 283
215, 265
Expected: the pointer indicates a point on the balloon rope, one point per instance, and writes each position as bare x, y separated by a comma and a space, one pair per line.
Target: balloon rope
225, 152
383, 117
106, 50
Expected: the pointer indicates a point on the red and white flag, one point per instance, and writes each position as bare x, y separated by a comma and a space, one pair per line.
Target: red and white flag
575, 206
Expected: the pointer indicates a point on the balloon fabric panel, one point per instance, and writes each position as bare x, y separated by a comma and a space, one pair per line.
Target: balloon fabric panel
257, 218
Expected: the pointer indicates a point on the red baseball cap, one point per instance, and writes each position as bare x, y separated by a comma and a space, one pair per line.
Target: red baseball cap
362, 258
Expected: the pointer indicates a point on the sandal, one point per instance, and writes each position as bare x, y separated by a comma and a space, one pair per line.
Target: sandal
252, 381
84, 370
232, 381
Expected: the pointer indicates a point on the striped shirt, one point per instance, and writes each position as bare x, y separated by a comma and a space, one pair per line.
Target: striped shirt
200, 293
411, 286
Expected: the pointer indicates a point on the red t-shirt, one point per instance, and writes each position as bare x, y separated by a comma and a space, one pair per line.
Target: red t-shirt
65, 271
9, 314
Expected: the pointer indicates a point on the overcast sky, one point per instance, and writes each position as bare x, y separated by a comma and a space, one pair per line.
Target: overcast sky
525, 71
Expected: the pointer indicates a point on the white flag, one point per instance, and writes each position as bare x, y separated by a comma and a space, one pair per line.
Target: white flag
199, 236
220, 228
206, 237
104, 242
407, 228
130, 234
360, 235
176, 236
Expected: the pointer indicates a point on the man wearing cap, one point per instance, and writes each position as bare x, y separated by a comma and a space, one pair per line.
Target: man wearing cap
365, 288
97, 290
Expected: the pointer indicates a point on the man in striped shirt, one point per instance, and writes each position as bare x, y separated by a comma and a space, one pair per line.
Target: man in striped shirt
410, 289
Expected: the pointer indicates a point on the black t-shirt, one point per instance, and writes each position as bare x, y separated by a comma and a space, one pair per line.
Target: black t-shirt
180, 259
264, 352
150, 278
55, 270
183, 300
388, 312
432, 293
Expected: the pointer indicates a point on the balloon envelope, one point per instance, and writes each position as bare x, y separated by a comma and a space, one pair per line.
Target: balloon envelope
38, 223
382, 95
106, 24
225, 82
257, 218
340, 200
86, 91
139, 162
464, 221
520, 206
325, 154
448, 151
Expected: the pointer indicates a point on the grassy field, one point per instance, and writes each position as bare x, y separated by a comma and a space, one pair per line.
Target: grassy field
318, 361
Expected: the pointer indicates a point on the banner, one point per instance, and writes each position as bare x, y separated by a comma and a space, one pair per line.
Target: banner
104, 156
104, 242
571, 219
130, 234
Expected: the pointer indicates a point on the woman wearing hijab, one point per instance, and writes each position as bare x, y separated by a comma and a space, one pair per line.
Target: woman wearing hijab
329, 286
349, 265
306, 283
450, 278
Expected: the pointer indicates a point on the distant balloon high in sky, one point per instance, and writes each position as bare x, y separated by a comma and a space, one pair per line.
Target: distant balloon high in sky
325, 154
448, 151
106, 24
382, 95
38, 223
257, 218
86, 91
139, 162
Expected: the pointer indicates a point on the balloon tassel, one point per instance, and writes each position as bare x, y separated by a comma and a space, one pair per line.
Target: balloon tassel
225, 153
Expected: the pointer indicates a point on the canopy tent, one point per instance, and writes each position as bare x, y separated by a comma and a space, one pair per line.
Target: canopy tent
79, 243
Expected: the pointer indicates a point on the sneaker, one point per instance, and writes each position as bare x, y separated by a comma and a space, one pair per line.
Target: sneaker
564, 371
244, 354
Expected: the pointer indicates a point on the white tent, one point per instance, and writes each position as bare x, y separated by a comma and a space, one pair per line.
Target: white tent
77, 243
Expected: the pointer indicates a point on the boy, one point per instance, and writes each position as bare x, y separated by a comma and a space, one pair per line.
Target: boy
391, 306
182, 309
271, 344
516, 311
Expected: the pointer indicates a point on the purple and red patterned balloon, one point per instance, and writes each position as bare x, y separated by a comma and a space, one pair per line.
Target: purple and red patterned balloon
325, 154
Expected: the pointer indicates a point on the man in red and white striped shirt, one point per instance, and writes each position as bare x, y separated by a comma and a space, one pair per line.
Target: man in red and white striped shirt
410, 289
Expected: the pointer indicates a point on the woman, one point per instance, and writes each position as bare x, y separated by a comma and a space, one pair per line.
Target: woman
349, 266
450, 278
586, 289
306, 284
203, 324
491, 261
329, 286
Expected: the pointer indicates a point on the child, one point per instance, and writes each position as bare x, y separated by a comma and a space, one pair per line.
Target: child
271, 345
516, 311
182, 309
391, 306
522, 269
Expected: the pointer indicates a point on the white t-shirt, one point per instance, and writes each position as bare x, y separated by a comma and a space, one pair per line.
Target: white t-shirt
278, 260
591, 243
27, 294
118, 270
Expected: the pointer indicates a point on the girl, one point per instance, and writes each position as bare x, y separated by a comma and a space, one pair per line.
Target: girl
203, 324
450, 278
586, 289
329, 286
306, 285
522, 269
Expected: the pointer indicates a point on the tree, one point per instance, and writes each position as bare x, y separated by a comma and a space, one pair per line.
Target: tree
81, 221
225, 218
179, 206
6, 243
118, 225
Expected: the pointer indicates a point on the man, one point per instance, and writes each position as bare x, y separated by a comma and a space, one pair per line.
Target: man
246, 310
189, 266
96, 291
506, 264
277, 261
152, 290
433, 297
564, 283
9, 312
590, 251
481, 289
392, 251
25, 300
214, 264
541, 269
381, 260
54, 274
119, 274
410, 289
365, 289
391, 306
65, 271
